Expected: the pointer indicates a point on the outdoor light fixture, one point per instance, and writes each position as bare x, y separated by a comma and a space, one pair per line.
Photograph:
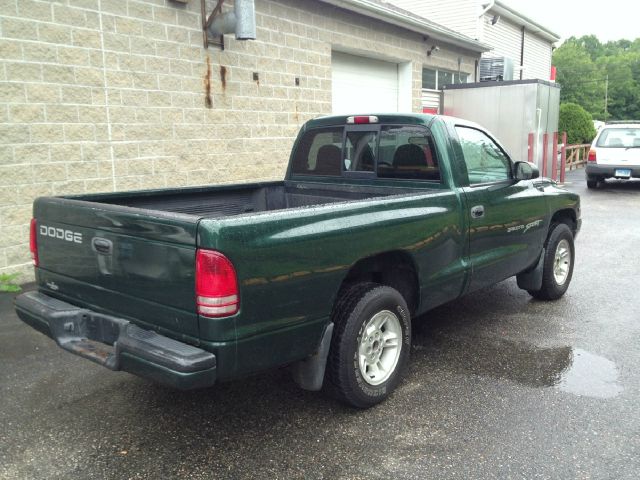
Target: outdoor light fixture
434, 48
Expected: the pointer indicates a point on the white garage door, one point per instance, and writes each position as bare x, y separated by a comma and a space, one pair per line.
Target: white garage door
363, 85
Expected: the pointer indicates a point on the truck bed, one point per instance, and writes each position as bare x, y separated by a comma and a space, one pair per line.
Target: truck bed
225, 201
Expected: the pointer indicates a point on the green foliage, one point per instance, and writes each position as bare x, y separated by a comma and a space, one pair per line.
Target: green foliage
6, 282
577, 75
577, 122
583, 66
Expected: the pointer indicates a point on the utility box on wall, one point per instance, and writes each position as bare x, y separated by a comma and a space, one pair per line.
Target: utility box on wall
509, 110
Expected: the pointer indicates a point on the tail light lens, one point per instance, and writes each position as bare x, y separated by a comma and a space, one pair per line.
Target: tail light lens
33, 241
216, 285
592, 156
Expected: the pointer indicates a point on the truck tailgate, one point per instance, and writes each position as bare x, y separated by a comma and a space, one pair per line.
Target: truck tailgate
138, 264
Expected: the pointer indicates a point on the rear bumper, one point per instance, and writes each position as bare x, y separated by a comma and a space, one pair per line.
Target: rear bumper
607, 171
118, 344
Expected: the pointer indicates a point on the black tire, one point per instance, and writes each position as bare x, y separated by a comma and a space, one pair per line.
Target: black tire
551, 289
592, 183
354, 309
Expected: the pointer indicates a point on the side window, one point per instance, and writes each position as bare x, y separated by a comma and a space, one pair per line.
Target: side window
485, 160
360, 151
319, 152
407, 152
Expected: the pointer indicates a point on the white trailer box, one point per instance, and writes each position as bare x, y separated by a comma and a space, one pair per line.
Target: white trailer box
511, 111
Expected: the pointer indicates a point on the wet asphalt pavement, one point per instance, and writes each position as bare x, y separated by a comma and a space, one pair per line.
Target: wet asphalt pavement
499, 386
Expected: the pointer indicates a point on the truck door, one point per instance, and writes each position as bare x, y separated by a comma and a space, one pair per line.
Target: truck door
506, 218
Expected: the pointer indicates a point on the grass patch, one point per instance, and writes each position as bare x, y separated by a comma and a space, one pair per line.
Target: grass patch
7, 282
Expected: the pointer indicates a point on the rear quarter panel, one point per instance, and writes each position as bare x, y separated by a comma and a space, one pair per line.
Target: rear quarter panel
291, 264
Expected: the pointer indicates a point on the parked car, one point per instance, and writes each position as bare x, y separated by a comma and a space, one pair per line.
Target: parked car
614, 153
379, 219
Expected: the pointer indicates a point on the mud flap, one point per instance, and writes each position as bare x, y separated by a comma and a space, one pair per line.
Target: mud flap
309, 373
532, 279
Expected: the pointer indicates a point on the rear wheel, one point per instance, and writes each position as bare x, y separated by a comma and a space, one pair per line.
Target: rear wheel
558, 263
592, 182
370, 345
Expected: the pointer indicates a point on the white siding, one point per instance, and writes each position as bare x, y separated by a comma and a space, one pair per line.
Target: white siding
505, 38
537, 57
459, 15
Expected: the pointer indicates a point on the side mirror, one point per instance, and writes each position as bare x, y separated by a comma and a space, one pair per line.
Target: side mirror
526, 171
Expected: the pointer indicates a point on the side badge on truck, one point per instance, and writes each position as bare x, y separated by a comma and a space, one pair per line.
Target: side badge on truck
524, 228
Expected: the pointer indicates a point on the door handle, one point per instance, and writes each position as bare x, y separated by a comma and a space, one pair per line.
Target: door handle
102, 246
477, 211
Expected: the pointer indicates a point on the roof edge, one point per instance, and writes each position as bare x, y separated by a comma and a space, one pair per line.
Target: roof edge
404, 19
502, 83
533, 26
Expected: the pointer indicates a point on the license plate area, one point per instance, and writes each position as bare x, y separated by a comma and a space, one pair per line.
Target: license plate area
622, 172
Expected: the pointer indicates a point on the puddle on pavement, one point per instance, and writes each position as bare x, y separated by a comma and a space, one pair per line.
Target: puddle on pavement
574, 371
590, 375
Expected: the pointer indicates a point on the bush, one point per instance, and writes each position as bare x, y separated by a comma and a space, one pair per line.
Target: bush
577, 122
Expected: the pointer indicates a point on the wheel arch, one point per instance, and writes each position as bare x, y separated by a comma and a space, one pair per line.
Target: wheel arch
396, 269
567, 216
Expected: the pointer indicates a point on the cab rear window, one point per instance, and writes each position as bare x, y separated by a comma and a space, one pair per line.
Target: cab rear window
619, 138
387, 151
407, 152
319, 152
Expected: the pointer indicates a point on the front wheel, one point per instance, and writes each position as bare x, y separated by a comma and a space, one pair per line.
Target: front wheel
558, 264
370, 345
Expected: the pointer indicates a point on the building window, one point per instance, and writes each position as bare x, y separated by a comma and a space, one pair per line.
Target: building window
444, 78
429, 79
433, 79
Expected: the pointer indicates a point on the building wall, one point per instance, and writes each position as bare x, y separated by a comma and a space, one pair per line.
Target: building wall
104, 95
459, 15
537, 57
505, 37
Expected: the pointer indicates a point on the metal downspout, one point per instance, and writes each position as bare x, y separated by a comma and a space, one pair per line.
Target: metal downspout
522, 53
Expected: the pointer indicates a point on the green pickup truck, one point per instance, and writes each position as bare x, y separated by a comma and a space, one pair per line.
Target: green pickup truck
379, 219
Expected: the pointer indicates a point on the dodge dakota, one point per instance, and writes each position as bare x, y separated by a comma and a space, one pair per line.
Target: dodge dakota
379, 219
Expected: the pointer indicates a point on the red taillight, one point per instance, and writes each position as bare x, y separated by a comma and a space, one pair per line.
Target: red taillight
592, 156
33, 241
216, 285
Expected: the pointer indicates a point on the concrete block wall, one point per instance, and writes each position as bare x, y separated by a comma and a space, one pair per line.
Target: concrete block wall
104, 95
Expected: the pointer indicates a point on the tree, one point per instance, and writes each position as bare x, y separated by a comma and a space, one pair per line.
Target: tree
624, 92
590, 71
577, 122
591, 44
580, 77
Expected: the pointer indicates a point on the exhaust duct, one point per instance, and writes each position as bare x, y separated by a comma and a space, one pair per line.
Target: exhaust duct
241, 21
